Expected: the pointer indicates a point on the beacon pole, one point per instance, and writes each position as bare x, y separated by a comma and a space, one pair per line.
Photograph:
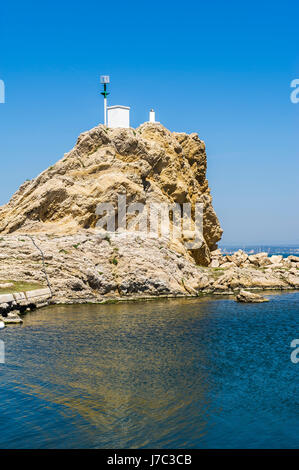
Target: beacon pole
105, 79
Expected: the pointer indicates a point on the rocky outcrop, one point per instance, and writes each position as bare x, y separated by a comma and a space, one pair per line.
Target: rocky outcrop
148, 165
58, 210
12, 318
258, 271
250, 297
259, 260
88, 268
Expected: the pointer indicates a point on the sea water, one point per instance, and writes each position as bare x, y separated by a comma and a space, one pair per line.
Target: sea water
191, 373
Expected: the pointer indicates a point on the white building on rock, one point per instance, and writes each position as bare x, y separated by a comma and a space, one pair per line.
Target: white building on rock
118, 116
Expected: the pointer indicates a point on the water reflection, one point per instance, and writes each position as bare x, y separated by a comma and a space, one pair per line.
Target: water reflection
140, 374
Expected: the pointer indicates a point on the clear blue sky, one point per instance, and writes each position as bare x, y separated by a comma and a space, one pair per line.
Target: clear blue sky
222, 69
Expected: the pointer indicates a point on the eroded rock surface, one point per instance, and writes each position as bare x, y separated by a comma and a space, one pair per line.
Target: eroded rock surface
88, 268
148, 165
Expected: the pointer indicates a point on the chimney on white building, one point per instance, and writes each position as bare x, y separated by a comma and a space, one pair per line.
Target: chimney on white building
152, 116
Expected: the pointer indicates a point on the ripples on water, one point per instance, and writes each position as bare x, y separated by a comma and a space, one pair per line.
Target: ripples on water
161, 374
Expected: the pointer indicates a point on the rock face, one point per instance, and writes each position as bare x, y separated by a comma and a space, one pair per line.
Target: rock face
149, 164
88, 268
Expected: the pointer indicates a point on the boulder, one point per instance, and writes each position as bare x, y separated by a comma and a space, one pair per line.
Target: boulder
12, 318
215, 263
294, 259
216, 253
250, 297
276, 259
259, 259
239, 257
228, 265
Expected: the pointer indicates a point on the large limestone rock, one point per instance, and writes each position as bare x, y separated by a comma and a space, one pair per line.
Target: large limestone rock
149, 164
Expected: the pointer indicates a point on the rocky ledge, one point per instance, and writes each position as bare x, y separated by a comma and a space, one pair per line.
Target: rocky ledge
89, 268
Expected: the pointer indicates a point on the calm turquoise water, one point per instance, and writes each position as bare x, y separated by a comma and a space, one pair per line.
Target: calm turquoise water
204, 373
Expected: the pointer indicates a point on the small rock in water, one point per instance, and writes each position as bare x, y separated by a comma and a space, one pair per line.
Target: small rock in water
245, 296
12, 317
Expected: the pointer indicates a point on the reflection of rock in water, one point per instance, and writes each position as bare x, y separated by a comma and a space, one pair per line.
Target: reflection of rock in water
126, 369
168, 374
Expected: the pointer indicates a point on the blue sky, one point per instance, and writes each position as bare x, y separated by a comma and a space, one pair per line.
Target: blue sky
222, 69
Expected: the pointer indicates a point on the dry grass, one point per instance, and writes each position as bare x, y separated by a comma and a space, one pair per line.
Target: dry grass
19, 286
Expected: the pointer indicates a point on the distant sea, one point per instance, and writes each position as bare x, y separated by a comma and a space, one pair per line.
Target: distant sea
285, 250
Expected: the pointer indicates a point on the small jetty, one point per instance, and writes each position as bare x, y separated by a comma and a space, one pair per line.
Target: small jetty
17, 303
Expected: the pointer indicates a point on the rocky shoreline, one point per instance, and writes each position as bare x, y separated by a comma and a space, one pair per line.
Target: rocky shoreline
89, 268
49, 236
